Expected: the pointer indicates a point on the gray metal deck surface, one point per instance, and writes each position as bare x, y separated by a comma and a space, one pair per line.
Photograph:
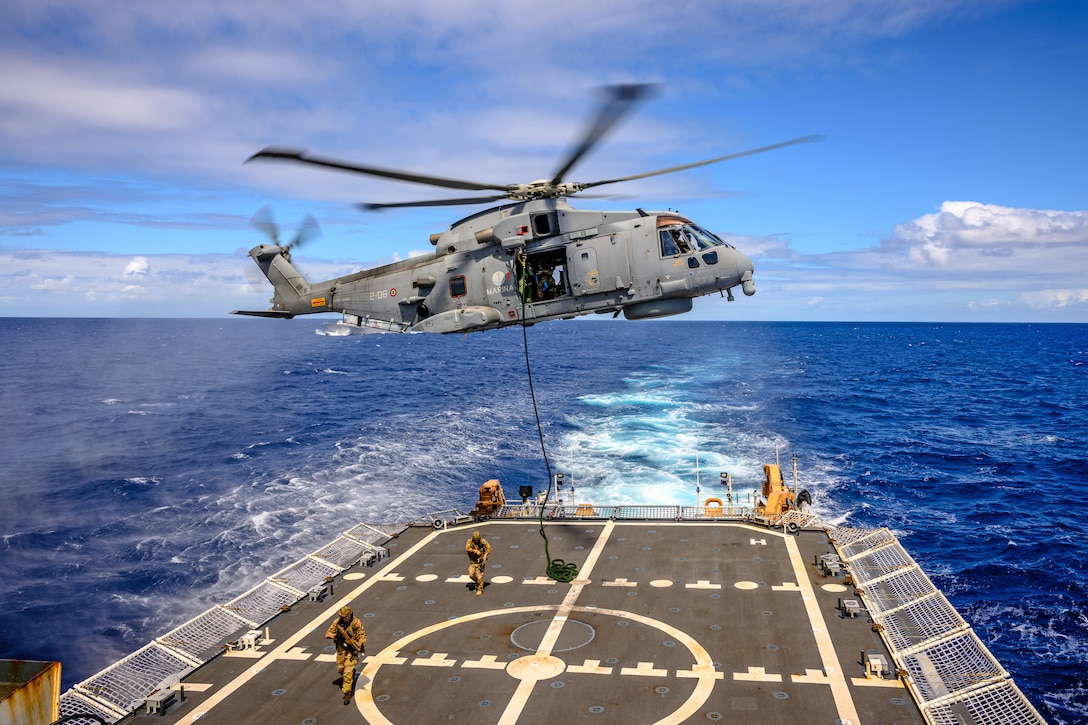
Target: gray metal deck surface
665, 622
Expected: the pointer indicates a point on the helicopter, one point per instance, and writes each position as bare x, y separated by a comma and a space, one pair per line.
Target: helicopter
532, 259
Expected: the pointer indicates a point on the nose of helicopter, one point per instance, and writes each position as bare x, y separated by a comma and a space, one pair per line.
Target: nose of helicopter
745, 269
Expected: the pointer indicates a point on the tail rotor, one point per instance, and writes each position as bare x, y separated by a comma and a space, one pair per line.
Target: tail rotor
308, 230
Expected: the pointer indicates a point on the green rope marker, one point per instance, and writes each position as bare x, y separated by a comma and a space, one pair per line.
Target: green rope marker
557, 569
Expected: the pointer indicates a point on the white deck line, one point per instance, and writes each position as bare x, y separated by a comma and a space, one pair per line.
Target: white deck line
836, 678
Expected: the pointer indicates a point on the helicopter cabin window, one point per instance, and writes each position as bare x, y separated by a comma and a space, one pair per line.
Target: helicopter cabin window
542, 275
681, 237
458, 288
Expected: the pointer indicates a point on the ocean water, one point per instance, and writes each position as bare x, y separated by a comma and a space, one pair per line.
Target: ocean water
153, 468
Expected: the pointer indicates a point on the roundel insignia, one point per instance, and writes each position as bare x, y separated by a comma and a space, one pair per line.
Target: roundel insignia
498, 278
393, 292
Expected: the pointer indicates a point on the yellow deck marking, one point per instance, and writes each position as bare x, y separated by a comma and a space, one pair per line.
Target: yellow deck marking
756, 674
839, 690
703, 584
701, 671
644, 669
590, 667
487, 662
619, 583
437, 659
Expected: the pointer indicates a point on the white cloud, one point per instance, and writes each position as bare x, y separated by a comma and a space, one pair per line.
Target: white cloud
1056, 298
51, 283
978, 234
970, 260
138, 267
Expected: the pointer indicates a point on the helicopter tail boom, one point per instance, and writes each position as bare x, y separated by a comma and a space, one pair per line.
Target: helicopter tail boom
293, 294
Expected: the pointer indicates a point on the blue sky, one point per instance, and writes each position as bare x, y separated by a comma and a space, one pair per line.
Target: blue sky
951, 185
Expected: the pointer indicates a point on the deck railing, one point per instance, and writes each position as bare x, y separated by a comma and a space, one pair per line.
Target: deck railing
946, 666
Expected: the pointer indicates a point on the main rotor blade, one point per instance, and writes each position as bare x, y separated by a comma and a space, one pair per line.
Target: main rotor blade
619, 100
365, 206
671, 169
300, 156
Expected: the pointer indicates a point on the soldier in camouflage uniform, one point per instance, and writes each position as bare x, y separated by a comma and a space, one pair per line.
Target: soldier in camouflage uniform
478, 550
348, 634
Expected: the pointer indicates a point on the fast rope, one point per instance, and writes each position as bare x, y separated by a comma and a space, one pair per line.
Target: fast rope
557, 569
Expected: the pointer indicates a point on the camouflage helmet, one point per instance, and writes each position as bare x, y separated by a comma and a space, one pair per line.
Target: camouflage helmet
345, 611
475, 535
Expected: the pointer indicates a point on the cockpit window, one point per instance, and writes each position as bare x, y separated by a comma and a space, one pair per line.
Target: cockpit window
686, 238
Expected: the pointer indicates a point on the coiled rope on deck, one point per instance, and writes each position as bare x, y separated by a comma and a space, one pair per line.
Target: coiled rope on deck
557, 569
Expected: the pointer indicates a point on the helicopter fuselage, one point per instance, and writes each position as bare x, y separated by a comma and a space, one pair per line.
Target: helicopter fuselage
523, 263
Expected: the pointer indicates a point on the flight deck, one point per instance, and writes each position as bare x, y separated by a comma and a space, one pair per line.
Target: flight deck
665, 622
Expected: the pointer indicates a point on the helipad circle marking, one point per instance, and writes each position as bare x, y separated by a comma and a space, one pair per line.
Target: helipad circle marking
426, 577
703, 664
501, 579
833, 588
354, 576
746, 585
661, 583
